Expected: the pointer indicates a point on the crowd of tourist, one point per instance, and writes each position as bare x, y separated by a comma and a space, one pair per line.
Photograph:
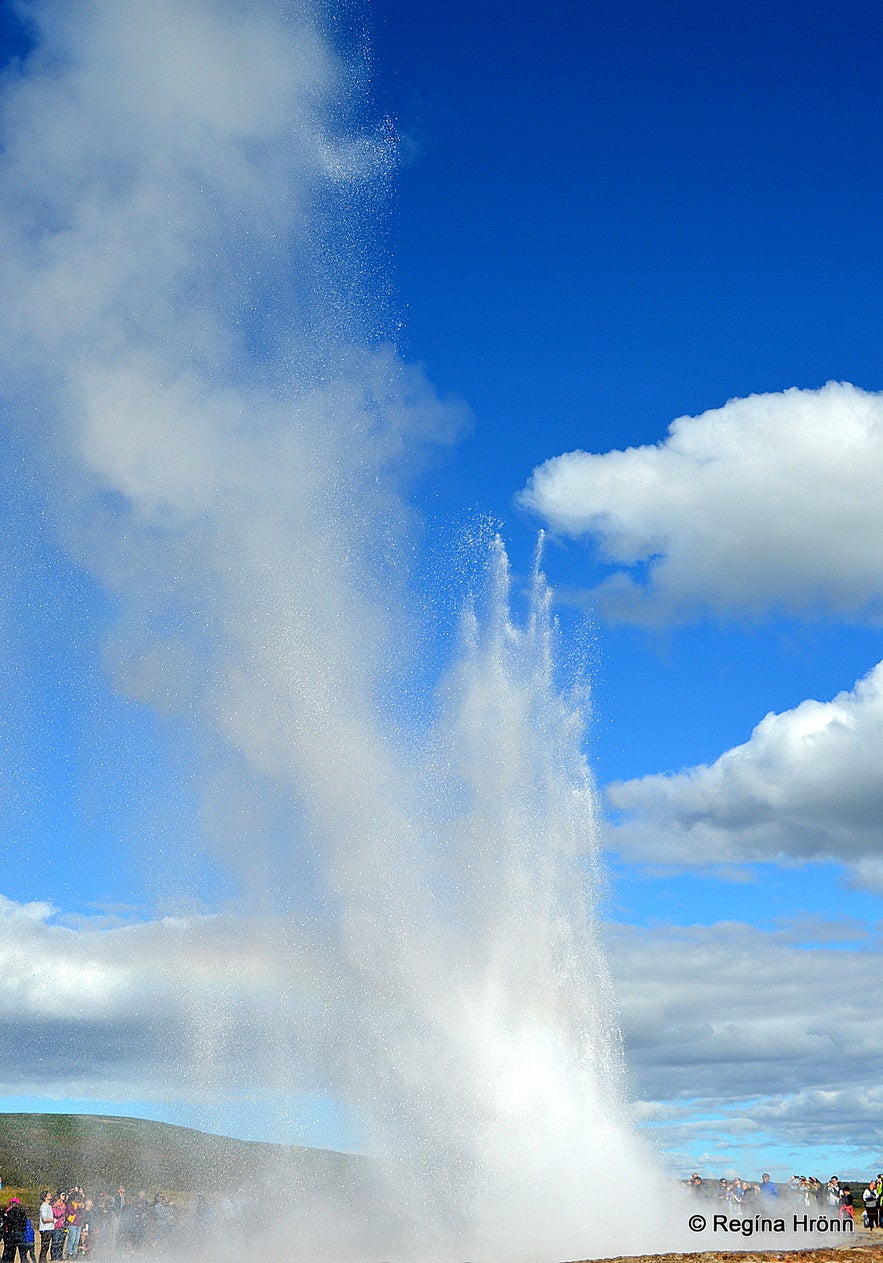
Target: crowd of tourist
832, 1199
69, 1224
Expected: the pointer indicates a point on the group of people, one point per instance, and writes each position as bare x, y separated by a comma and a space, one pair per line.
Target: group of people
737, 1193
833, 1198
69, 1225
837, 1198
872, 1198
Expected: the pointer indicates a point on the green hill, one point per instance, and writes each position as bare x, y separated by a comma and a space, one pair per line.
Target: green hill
98, 1152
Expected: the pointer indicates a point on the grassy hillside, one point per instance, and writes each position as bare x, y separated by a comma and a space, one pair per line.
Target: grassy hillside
57, 1150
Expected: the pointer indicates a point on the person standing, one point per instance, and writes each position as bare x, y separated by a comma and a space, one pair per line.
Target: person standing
14, 1224
118, 1210
59, 1211
140, 1220
74, 1224
872, 1206
100, 1230
846, 1206
769, 1190
833, 1191
45, 1227
26, 1252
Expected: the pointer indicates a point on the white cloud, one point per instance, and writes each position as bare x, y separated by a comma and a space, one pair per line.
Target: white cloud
126, 1011
730, 1032
729, 1029
771, 502
729, 1011
807, 785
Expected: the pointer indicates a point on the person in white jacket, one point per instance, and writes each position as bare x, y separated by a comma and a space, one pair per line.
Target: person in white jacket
45, 1226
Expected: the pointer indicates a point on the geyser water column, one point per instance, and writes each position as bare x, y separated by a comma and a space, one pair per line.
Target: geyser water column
224, 445
508, 1127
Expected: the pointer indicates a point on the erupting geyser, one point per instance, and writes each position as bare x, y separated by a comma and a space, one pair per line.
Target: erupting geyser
505, 1127
225, 444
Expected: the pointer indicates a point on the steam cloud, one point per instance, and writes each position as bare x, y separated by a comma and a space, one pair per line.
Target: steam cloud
224, 446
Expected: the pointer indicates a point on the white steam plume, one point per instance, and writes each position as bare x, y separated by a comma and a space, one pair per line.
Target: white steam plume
231, 455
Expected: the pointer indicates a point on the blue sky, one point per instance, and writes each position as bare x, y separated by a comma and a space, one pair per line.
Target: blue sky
637, 215
641, 212
590, 225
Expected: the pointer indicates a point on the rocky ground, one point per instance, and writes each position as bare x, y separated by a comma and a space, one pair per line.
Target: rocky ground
861, 1250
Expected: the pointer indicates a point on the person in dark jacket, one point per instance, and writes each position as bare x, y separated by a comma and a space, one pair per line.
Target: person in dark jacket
15, 1222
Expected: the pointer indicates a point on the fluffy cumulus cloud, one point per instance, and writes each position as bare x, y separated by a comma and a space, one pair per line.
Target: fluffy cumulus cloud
807, 785
771, 502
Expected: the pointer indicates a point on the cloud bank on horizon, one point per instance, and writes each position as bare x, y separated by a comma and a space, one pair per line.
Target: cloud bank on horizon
120, 1010
709, 1054
741, 1039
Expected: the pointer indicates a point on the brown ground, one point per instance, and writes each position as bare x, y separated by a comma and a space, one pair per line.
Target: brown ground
860, 1248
